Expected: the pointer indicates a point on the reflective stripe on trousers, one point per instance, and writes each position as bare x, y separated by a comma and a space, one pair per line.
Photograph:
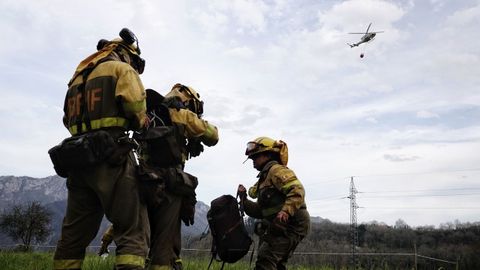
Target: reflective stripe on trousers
130, 260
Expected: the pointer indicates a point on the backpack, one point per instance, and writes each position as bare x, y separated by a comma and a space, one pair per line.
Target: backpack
230, 239
163, 136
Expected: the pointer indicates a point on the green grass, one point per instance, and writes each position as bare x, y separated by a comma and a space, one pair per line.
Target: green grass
44, 261
30, 261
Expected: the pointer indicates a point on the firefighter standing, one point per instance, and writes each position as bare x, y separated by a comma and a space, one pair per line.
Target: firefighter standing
171, 198
280, 204
175, 133
105, 96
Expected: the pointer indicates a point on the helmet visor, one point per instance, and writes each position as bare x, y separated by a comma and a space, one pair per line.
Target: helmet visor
251, 147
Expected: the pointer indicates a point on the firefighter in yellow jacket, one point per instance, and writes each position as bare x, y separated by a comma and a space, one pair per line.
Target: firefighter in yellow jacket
181, 112
105, 96
280, 203
176, 132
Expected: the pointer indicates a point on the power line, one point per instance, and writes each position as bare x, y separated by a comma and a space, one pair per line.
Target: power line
392, 174
419, 190
341, 196
419, 173
423, 208
420, 195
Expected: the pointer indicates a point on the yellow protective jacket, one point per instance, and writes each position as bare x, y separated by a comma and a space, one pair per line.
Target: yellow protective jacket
115, 97
277, 189
194, 127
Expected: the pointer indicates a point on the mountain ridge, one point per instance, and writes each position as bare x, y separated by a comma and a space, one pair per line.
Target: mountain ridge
51, 192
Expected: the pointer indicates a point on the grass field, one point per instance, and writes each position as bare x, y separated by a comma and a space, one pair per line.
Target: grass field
44, 261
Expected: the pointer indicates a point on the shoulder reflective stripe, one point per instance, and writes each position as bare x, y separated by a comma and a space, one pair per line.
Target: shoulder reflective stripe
288, 185
252, 191
211, 132
130, 259
103, 122
67, 264
135, 106
160, 267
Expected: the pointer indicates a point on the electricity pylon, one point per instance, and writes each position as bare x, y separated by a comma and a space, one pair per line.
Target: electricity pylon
353, 223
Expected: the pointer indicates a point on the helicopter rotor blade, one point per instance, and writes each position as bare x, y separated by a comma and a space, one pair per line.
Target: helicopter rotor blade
358, 33
368, 28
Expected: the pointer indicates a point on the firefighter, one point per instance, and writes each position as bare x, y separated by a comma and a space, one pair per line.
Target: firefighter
280, 203
176, 132
173, 201
105, 99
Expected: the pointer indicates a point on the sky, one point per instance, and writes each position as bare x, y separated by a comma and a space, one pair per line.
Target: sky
402, 121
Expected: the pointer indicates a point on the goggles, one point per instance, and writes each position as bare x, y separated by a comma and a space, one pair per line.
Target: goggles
194, 103
252, 147
138, 63
129, 38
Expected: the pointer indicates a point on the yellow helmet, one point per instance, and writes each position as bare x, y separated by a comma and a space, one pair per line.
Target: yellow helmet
266, 144
189, 97
127, 47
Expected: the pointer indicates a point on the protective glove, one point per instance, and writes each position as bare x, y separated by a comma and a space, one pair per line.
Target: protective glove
187, 211
194, 147
242, 192
278, 227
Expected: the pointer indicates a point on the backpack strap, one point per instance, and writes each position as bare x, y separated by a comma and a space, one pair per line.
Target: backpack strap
213, 250
83, 107
251, 257
81, 88
210, 264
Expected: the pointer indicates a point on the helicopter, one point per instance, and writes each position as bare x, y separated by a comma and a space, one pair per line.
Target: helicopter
367, 36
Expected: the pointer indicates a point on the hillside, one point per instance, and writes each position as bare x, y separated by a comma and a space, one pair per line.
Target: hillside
52, 193
450, 242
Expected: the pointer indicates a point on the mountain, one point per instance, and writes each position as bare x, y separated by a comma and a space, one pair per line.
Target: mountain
51, 192
14, 190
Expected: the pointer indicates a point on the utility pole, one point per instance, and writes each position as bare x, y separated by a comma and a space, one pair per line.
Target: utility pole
353, 223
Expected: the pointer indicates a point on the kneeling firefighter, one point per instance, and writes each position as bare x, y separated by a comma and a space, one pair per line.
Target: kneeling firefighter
105, 99
280, 204
176, 133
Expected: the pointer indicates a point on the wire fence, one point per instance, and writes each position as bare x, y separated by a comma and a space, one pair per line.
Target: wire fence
303, 257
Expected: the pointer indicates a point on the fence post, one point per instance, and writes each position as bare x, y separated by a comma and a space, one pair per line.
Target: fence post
415, 254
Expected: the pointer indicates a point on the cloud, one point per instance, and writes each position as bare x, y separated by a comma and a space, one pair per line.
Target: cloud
241, 52
399, 158
426, 114
467, 17
268, 68
240, 16
250, 14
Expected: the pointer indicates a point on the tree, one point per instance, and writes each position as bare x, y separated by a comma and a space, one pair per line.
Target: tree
29, 222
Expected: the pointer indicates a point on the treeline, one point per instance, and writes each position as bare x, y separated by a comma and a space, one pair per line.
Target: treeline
329, 244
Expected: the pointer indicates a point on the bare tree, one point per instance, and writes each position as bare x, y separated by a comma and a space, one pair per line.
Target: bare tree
28, 222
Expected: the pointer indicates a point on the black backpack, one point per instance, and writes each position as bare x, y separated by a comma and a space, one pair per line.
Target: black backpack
231, 241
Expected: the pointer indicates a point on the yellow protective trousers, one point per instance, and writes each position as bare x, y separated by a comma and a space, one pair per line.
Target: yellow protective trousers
111, 190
